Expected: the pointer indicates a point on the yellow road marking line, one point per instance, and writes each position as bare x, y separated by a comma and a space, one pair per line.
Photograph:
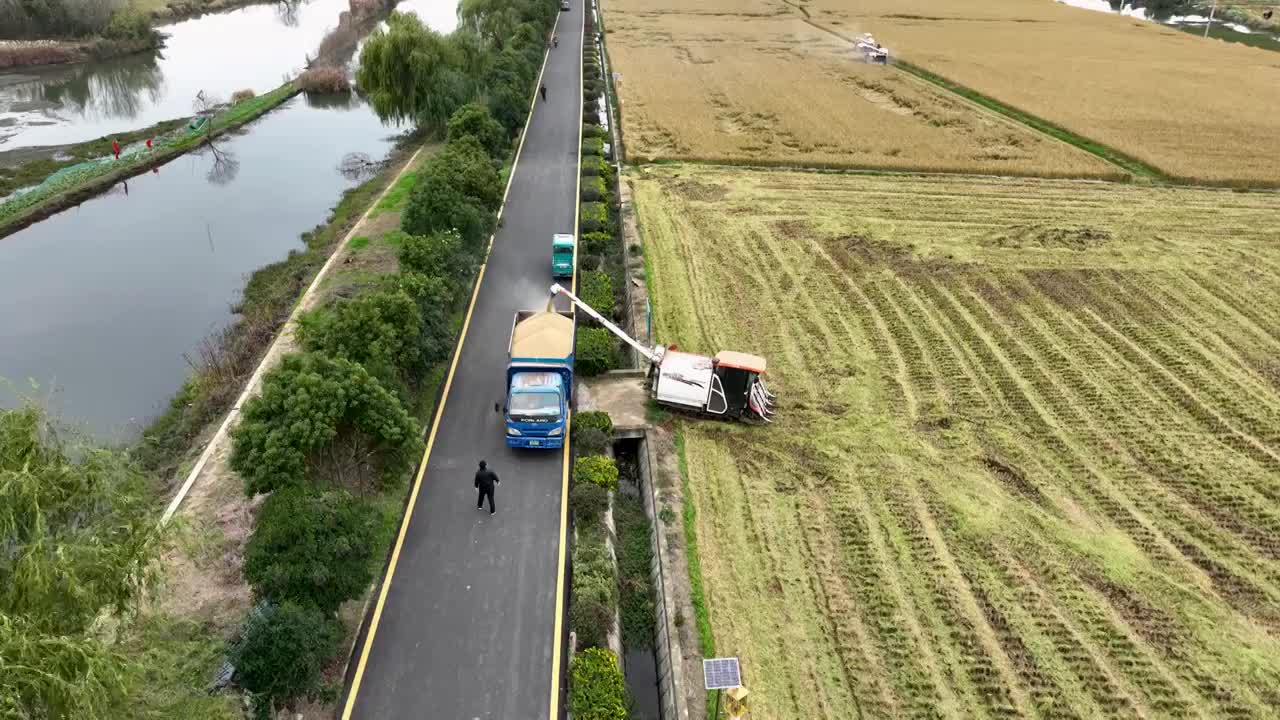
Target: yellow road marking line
435, 424
568, 425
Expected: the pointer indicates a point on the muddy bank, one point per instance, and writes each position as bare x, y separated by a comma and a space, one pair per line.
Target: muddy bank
33, 53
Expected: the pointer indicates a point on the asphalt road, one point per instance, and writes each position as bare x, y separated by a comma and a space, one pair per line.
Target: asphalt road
467, 628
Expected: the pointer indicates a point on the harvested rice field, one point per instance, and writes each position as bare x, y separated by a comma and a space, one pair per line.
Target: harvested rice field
1027, 455
752, 83
1204, 110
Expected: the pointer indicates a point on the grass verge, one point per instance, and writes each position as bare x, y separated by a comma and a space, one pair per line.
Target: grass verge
1111, 155
689, 513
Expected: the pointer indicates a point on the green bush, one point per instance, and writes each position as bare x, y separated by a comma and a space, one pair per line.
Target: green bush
597, 690
458, 189
595, 351
314, 413
596, 469
475, 120
311, 548
128, 25
597, 243
595, 589
594, 131
440, 254
595, 217
592, 165
595, 189
595, 288
635, 558
281, 652
593, 420
592, 146
377, 330
588, 501
589, 441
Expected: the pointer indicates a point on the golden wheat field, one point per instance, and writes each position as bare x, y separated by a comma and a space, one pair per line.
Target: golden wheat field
751, 83
1193, 108
1027, 457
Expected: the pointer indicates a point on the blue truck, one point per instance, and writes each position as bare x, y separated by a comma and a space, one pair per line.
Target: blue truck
539, 378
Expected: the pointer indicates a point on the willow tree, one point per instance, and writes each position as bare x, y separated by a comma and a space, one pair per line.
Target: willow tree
413, 74
77, 540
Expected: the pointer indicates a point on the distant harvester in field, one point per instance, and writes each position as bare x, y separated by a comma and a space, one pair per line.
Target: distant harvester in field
871, 50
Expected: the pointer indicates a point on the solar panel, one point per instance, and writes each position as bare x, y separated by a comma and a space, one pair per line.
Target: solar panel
721, 673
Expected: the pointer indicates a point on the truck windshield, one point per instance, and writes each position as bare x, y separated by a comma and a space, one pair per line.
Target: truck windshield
534, 403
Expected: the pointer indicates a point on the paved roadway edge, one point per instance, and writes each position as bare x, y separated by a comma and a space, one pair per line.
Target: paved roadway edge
372, 630
268, 357
558, 630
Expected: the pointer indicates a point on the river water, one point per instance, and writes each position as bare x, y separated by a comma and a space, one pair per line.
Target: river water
1194, 24
102, 303
253, 48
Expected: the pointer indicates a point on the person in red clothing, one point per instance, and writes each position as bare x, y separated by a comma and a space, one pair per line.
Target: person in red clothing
148, 143
115, 147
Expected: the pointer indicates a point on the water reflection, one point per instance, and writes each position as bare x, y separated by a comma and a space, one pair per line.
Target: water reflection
253, 48
338, 101
118, 89
103, 301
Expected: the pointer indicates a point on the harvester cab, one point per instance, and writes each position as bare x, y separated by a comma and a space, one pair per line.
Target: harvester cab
730, 384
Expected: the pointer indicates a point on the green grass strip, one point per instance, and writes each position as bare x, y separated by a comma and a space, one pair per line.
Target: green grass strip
1111, 155
702, 616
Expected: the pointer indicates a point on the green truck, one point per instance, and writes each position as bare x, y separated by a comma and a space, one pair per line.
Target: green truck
562, 255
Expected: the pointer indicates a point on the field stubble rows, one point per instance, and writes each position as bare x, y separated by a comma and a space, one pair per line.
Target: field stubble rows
757, 85
1028, 458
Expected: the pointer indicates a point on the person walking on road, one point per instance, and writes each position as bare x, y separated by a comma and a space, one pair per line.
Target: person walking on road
486, 480
543, 90
555, 41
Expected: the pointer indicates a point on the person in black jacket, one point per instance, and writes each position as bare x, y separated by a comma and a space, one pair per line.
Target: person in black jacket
486, 480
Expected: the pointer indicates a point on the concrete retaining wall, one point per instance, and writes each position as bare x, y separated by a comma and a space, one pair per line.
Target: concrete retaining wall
667, 650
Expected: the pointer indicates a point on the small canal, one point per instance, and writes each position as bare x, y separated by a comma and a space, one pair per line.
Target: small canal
639, 663
102, 304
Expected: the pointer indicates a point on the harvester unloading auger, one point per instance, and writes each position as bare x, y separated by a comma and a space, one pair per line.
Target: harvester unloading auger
731, 384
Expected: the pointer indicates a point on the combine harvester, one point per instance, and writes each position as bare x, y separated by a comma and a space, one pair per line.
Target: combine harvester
731, 384
871, 50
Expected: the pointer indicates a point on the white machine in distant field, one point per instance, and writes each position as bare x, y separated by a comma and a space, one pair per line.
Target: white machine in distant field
872, 50
731, 384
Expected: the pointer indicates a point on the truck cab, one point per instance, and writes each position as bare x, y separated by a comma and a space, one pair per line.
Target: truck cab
536, 410
562, 255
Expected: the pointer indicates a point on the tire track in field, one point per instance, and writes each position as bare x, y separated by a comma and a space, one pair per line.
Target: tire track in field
1175, 387
1031, 411
1119, 412
1154, 326
1047, 356
989, 673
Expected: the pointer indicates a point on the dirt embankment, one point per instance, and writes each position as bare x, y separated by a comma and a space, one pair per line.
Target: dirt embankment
30, 53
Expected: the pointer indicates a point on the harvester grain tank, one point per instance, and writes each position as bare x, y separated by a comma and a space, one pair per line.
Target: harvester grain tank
729, 384
539, 378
